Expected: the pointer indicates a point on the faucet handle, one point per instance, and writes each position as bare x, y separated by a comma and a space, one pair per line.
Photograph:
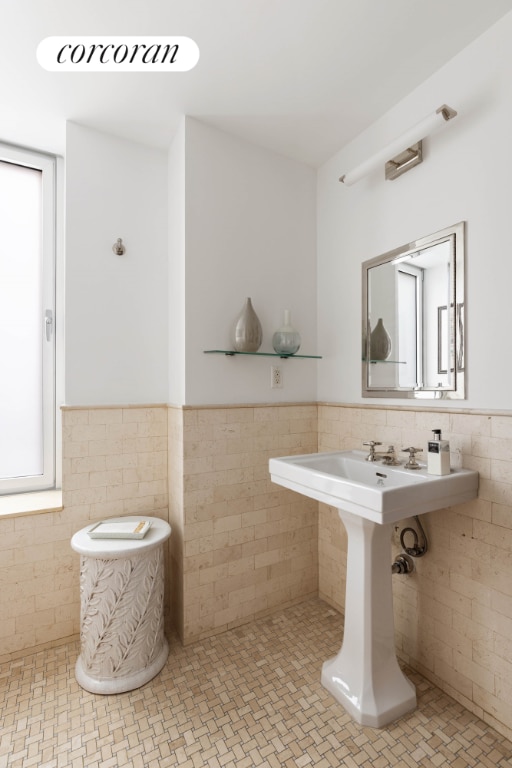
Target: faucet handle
412, 463
372, 444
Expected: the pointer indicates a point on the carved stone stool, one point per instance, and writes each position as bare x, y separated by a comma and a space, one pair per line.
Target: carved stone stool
122, 642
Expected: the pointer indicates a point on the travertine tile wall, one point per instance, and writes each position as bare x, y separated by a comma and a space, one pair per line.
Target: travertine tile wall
239, 547
114, 463
453, 616
242, 546
39, 583
248, 545
176, 519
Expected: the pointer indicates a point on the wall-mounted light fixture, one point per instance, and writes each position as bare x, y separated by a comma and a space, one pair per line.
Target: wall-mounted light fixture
405, 152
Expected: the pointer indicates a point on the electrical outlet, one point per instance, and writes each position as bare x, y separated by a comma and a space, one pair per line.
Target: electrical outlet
276, 377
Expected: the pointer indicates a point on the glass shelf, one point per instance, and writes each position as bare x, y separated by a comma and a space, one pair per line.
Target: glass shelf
231, 353
393, 362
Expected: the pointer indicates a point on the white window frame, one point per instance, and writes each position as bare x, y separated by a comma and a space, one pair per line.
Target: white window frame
47, 164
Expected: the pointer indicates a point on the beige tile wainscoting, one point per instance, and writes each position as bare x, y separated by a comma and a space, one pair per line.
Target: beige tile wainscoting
239, 547
242, 545
114, 463
242, 548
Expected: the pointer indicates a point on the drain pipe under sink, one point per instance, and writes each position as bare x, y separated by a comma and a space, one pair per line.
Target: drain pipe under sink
403, 562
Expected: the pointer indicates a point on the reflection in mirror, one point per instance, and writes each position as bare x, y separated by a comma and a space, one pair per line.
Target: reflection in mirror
413, 319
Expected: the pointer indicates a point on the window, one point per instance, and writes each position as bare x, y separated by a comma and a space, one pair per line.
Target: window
410, 325
27, 320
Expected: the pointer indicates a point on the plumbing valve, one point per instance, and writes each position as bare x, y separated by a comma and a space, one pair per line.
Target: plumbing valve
403, 564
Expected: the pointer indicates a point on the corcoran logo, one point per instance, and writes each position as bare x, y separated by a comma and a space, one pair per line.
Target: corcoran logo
117, 54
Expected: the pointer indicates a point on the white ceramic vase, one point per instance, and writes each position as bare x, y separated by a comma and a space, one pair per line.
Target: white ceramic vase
248, 334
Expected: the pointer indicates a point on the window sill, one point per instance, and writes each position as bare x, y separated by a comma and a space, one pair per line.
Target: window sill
35, 503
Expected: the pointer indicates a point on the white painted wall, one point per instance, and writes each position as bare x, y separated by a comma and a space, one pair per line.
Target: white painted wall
116, 306
213, 221
177, 255
136, 326
466, 175
250, 232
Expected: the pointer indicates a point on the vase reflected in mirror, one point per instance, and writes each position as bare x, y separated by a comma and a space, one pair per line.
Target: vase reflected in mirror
380, 342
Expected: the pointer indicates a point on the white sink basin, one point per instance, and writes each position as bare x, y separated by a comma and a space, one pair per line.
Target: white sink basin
365, 676
383, 494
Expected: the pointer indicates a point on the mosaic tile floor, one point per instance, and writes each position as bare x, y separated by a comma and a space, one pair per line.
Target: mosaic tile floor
248, 698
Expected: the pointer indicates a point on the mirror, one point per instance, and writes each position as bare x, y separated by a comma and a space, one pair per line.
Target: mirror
414, 319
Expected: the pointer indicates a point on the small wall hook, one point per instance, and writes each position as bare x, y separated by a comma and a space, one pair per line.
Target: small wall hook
118, 247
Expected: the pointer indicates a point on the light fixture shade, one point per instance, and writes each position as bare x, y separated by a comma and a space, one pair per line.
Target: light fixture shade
419, 131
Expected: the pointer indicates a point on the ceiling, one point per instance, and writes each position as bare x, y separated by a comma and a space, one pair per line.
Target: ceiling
300, 77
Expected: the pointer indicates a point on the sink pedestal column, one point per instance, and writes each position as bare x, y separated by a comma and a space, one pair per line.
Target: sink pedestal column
365, 676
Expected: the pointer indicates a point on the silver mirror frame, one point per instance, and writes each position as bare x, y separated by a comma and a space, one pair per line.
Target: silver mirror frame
457, 352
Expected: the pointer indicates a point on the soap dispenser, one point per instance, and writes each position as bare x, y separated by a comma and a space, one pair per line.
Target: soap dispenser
438, 455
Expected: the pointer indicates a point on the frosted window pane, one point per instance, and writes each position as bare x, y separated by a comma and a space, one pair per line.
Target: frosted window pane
21, 419
408, 333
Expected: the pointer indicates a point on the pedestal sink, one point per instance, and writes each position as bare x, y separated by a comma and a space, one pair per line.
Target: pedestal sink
365, 676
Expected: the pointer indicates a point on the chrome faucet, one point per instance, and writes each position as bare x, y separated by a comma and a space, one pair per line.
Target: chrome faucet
388, 457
